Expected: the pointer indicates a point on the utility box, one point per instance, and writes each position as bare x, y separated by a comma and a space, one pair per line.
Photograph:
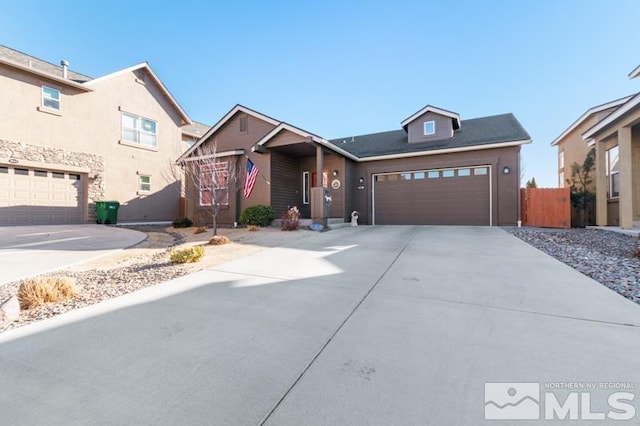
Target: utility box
107, 212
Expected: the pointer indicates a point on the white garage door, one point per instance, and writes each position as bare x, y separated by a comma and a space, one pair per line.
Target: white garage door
38, 196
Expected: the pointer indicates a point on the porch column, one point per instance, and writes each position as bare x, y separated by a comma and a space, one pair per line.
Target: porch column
318, 213
601, 184
319, 165
626, 178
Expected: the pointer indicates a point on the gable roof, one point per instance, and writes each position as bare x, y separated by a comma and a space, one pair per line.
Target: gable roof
628, 106
195, 129
453, 115
31, 65
147, 68
479, 133
635, 73
233, 111
35, 64
587, 114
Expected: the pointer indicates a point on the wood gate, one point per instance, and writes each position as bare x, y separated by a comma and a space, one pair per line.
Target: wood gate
545, 207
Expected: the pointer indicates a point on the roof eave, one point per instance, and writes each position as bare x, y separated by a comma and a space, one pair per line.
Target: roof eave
611, 118
446, 150
635, 73
60, 80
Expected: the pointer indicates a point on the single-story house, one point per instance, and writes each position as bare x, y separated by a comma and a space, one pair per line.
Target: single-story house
435, 169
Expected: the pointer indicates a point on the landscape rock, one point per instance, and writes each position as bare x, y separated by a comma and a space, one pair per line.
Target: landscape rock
9, 311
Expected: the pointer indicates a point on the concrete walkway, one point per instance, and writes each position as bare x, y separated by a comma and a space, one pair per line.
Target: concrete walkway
358, 326
26, 251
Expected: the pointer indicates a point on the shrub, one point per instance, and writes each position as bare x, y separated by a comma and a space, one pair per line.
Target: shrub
252, 228
182, 222
257, 215
42, 290
200, 230
187, 255
290, 220
219, 240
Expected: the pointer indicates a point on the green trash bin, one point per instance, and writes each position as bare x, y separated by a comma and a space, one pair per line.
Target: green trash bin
107, 212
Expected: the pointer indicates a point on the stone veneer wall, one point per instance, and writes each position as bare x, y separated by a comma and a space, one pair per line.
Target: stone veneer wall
57, 159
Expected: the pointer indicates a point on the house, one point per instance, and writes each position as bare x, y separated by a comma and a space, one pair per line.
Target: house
616, 139
434, 169
572, 149
68, 140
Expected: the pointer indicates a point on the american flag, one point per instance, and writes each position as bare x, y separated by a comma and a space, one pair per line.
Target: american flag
250, 178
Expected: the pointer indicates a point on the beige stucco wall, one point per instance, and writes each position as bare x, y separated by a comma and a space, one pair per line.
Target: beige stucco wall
90, 122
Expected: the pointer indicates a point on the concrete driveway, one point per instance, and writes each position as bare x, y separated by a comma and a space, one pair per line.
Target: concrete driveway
31, 250
358, 326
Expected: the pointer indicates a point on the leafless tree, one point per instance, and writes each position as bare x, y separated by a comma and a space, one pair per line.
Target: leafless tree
210, 179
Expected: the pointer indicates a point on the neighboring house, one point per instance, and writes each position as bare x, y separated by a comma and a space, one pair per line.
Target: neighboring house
617, 141
435, 169
192, 133
67, 140
573, 149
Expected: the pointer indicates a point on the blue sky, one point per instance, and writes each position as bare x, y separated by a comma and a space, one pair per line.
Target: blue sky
349, 67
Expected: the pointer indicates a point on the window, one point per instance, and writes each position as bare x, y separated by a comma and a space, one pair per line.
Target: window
74, 176
305, 188
448, 173
381, 178
57, 175
464, 172
139, 130
4, 169
434, 174
561, 180
429, 128
393, 177
613, 172
561, 160
144, 183
405, 176
478, 171
214, 184
244, 124
24, 172
40, 173
418, 175
51, 98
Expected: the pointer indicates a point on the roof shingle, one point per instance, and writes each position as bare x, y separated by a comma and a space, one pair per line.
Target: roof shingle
40, 65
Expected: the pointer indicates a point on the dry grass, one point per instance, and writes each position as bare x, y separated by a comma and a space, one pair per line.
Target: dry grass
42, 290
219, 240
187, 255
252, 228
200, 230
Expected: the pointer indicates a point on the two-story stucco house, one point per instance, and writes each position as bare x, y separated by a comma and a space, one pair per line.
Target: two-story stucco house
68, 140
434, 169
613, 130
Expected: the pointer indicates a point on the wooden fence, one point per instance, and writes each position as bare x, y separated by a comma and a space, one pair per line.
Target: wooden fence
545, 207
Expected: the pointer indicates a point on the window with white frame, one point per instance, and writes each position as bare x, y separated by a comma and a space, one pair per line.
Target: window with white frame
213, 180
305, 188
561, 180
561, 160
144, 183
613, 175
50, 98
429, 128
139, 130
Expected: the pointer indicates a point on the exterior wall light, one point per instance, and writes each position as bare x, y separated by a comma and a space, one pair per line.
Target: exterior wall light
506, 170
361, 180
335, 173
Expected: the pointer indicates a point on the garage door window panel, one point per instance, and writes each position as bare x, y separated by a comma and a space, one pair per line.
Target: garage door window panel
448, 173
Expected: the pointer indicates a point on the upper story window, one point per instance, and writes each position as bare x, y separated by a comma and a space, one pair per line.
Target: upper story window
561, 160
613, 175
429, 128
139, 130
50, 98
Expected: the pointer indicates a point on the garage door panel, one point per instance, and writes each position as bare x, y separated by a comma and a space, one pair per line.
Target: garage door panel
457, 200
29, 196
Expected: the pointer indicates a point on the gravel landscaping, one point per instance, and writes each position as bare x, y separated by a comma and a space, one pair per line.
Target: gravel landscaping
147, 264
606, 256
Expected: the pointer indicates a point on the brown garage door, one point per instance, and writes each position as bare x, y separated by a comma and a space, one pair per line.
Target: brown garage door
456, 196
36, 196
